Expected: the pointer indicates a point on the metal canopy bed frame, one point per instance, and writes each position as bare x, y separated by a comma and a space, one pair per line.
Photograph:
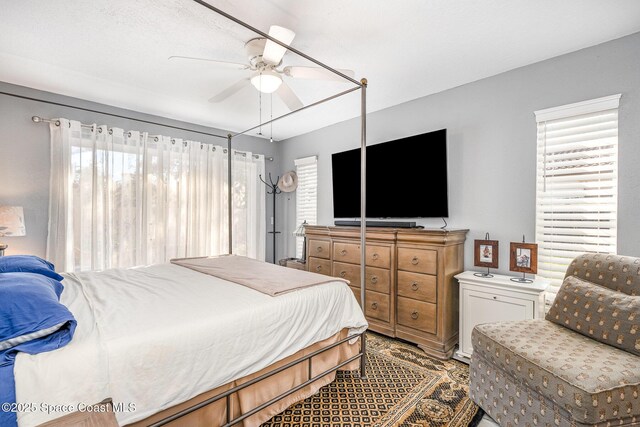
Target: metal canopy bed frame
361, 355
359, 85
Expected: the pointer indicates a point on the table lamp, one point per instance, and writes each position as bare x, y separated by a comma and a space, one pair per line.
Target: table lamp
300, 233
11, 224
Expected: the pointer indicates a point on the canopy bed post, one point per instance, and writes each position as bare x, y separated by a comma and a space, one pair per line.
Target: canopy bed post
363, 213
229, 194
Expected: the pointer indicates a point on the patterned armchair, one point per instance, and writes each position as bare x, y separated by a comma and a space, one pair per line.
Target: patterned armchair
578, 367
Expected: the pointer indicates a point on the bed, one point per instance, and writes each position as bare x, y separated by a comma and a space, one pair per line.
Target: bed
145, 341
153, 338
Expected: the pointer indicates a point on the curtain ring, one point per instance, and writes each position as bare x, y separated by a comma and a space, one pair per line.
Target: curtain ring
201, 146
173, 141
155, 139
111, 131
185, 143
129, 134
99, 130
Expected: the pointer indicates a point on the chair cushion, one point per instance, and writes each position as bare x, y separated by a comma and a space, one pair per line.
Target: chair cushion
592, 381
600, 313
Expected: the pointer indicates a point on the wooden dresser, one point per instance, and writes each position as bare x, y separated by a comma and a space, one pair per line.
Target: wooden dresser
410, 289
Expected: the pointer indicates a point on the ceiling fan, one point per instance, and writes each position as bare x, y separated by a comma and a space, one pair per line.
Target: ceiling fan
265, 58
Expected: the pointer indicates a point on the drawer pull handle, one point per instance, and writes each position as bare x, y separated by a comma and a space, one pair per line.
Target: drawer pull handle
414, 315
375, 256
318, 268
374, 279
343, 252
414, 286
415, 260
343, 273
319, 249
374, 305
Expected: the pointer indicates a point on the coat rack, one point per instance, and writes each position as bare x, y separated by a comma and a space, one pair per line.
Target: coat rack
273, 189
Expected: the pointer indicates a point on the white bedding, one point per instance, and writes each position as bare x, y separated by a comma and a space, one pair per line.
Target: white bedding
159, 335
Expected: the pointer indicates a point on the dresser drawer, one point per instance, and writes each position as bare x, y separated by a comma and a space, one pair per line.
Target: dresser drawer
377, 279
351, 272
417, 314
377, 304
319, 248
321, 266
417, 260
376, 256
417, 286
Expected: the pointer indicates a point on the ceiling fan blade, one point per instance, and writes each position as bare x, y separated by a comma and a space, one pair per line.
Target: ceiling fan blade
316, 73
229, 91
273, 52
290, 99
214, 61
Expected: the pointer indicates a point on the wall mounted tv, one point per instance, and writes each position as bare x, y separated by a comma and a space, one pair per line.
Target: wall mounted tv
406, 178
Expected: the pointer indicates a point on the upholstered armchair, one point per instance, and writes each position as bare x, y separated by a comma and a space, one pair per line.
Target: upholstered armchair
578, 367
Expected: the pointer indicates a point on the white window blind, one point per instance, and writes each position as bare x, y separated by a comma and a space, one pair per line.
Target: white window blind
577, 184
306, 195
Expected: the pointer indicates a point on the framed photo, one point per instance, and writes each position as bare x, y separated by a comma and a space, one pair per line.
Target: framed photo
523, 257
486, 253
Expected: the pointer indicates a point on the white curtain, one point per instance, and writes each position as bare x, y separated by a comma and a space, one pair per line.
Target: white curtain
120, 199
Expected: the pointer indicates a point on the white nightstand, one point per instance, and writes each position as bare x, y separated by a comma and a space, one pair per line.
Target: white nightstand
495, 299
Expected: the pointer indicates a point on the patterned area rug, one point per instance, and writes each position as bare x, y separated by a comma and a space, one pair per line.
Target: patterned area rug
404, 388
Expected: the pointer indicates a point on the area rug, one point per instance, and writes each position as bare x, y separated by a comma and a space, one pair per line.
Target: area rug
404, 388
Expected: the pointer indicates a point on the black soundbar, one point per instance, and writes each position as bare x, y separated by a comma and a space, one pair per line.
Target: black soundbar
390, 224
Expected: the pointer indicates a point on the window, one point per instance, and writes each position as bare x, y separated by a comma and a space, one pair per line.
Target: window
576, 185
120, 199
306, 195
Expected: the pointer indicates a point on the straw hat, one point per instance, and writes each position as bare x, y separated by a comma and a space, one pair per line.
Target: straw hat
288, 182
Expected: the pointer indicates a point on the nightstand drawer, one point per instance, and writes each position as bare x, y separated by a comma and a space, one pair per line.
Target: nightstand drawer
376, 256
418, 260
319, 248
417, 314
321, 266
377, 304
377, 279
417, 286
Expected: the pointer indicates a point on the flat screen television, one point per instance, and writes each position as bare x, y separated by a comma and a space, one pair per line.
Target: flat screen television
406, 178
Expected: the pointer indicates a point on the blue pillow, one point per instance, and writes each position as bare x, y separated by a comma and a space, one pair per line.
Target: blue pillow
32, 320
28, 264
29, 302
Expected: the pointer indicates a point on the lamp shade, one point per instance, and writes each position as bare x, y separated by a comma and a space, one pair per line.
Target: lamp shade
266, 81
300, 232
12, 221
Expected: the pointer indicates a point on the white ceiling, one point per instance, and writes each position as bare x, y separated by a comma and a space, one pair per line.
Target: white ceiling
115, 52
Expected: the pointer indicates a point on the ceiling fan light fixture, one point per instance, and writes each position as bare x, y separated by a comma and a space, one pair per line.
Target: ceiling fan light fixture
266, 81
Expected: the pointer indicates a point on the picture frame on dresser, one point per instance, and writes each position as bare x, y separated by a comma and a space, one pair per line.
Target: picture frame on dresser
486, 253
523, 257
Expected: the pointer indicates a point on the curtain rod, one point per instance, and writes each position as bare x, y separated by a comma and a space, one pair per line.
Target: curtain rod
110, 114
38, 119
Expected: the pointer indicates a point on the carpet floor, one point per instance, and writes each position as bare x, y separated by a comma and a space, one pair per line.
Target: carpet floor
404, 388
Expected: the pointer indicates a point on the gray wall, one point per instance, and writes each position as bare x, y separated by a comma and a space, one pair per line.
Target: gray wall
492, 143
24, 154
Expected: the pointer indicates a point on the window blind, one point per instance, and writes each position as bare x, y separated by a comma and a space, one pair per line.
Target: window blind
576, 184
306, 195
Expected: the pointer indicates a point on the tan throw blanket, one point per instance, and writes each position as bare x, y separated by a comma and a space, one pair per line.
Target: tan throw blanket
263, 277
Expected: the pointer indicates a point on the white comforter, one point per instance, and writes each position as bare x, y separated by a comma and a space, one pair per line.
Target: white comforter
155, 336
